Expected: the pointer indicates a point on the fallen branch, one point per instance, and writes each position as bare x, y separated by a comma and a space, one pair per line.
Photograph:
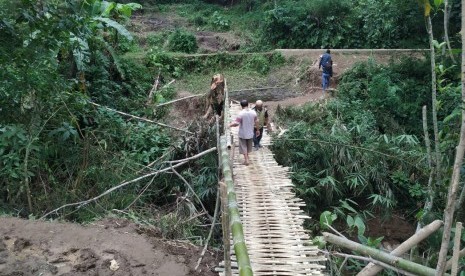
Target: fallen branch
423, 233
334, 230
85, 202
379, 255
192, 190
192, 157
215, 215
140, 118
141, 193
258, 88
371, 260
181, 99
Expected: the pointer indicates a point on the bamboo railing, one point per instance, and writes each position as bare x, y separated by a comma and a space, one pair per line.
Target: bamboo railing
228, 199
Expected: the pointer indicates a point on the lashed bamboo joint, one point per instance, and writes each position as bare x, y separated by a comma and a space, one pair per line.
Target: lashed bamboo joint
277, 243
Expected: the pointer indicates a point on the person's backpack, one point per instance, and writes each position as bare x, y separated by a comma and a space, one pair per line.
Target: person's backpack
328, 65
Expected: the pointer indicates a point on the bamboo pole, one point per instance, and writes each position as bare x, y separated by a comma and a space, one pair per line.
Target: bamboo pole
227, 129
140, 118
456, 254
237, 231
376, 254
372, 269
455, 178
449, 262
226, 230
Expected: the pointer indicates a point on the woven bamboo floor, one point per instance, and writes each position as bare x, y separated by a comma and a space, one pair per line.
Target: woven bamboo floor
271, 216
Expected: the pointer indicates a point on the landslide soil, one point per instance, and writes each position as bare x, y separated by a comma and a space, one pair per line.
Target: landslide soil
43, 248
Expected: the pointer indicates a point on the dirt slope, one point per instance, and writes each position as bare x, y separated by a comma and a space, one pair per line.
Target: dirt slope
108, 247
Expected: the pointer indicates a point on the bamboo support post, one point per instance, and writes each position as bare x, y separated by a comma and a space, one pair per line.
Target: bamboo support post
376, 254
449, 262
372, 269
237, 231
227, 129
455, 255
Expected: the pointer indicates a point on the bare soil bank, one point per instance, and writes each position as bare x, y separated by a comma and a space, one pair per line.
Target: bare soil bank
108, 247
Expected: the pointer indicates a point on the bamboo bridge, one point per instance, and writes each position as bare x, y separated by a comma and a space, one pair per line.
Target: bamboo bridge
261, 214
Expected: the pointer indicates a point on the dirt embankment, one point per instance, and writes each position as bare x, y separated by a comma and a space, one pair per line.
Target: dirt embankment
108, 247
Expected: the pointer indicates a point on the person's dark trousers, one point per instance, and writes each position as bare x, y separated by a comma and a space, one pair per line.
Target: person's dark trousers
256, 140
325, 81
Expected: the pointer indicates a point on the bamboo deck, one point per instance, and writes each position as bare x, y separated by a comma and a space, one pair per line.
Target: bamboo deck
271, 216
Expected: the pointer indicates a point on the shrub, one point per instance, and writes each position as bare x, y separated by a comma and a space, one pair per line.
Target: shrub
259, 63
156, 40
182, 41
219, 22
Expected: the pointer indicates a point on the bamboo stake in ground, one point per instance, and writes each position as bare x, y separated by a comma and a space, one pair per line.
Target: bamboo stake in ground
372, 269
379, 255
154, 88
449, 262
455, 256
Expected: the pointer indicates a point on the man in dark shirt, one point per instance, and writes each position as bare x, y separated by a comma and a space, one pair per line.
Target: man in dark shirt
263, 120
327, 63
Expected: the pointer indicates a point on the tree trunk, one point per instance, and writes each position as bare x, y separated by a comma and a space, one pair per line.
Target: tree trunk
455, 179
447, 9
379, 255
372, 269
429, 201
437, 161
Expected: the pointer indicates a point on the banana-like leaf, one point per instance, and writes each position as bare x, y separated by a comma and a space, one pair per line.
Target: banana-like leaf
114, 56
115, 25
438, 3
127, 9
80, 51
106, 8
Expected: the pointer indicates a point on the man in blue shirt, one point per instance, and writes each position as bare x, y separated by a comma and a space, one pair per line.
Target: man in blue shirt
327, 63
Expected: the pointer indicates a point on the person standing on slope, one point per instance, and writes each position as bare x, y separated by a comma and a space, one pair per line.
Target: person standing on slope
327, 63
246, 120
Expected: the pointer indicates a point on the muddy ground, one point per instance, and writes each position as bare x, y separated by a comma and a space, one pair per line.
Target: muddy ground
108, 247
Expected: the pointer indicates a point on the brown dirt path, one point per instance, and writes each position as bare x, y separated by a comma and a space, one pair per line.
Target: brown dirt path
108, 247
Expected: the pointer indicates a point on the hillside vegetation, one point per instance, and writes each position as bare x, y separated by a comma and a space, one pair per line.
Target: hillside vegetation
77, 116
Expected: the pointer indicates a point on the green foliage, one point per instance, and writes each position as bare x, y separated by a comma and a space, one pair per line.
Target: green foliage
342, 24
157, 40
175, 66
329, 160
182, 41
394, 94
219, 22
354, 147
259, 63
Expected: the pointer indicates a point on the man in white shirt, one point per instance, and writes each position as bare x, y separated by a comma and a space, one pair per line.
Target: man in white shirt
247, 120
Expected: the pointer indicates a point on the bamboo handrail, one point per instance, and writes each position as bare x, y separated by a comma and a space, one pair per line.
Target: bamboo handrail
240, 248
235, 225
